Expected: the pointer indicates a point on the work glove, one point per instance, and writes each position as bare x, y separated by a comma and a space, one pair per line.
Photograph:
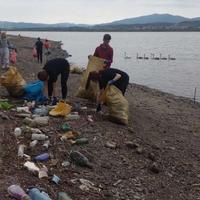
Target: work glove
106, 62
111, 82
98, 107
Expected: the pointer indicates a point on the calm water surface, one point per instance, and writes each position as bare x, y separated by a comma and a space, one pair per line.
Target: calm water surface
178, 77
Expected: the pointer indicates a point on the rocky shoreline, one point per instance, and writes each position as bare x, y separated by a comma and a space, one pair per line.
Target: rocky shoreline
156, 156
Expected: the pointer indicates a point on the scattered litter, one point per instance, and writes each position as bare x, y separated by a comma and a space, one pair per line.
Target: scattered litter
65, 163
89, 118
55, 179
24, 109
63, 196
21, 149
36, 194
17, 192
31, 167
86, 185
79, 159
79, 141
33, 143
65, 127
46, 144
70, 135
72, 117
36, 136
43, 172
5, 105
17, 132
42, 157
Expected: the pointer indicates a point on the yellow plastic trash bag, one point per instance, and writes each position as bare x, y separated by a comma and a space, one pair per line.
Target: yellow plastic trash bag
117, 104
94, 64
13, 82
62, 109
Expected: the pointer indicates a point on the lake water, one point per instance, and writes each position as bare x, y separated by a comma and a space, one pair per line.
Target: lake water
179, 76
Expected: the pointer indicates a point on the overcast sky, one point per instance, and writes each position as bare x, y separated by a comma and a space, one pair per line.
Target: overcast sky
91, 11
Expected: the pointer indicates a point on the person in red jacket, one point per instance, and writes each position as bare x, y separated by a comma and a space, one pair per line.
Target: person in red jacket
105, 51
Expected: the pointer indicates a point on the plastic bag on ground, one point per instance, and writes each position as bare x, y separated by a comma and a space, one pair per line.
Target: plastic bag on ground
34, 91
13, 82
62, 109
117, 104
94, 64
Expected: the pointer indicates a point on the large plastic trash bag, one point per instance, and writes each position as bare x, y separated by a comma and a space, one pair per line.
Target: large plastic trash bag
117, 105
13, 82
34, 91
94, 64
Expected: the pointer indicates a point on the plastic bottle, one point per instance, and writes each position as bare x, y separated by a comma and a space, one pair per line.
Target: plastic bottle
81, 141
36, 194
63, 196
33, 143
36, 136
73, 117
79, 159
65, 127
17, 192
43, 111
21, 150
17, 131
42, 157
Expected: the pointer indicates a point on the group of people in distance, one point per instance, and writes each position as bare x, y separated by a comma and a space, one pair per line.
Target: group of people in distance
105, 77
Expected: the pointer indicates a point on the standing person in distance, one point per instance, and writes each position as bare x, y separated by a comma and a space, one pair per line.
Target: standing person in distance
52, 69
39, 49
4, 51
105, 51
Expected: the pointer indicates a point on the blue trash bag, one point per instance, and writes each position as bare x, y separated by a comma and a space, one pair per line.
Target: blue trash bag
34, 91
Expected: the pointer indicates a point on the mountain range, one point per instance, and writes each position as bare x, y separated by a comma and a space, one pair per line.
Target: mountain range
142, 23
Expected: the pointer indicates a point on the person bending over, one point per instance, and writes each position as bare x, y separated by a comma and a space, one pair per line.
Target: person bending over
52, 69
105, 51
108, 77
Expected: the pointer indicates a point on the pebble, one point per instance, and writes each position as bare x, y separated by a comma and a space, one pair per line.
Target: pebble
139, 150
111, 145
152, 156
132, 145
154, 168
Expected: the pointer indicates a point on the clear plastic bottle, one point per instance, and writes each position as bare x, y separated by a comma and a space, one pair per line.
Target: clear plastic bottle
17, 192
36, 194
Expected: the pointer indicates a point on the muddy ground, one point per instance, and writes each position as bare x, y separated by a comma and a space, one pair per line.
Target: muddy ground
162, 163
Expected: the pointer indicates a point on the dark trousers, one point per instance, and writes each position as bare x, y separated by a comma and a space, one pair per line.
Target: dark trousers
64, 78
39, 55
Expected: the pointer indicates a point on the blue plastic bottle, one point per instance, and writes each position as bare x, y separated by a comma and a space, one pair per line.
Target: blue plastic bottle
36, 194
42, 157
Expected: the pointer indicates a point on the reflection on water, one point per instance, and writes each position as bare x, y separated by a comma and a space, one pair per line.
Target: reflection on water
179, 76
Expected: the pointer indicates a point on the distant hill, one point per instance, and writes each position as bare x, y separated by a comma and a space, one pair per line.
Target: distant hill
154, 22
149, 19
23, 25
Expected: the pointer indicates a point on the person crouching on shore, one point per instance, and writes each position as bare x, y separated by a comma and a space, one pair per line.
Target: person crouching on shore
52, 69
110, 76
